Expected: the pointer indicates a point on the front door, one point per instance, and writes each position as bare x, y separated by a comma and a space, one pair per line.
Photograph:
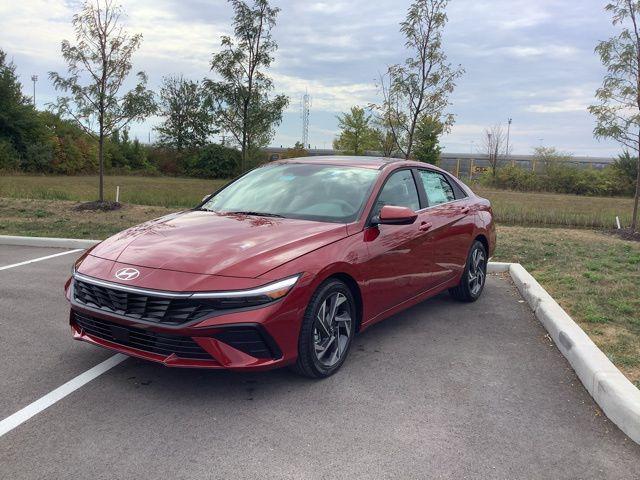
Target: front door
393, 249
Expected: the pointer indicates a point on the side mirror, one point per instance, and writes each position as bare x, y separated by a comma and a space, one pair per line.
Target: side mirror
391, 215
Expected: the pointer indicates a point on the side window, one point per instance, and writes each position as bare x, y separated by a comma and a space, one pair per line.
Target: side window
457, 189
437, 188
400, 191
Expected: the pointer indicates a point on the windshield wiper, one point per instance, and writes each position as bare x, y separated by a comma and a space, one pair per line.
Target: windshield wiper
257, 214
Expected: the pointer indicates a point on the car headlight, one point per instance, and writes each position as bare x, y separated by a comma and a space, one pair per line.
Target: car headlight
247, 298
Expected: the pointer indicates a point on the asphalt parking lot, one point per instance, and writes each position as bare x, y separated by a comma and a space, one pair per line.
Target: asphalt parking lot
443, 390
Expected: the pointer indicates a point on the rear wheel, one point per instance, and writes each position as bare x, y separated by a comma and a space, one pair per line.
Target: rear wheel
475, 273
327, 330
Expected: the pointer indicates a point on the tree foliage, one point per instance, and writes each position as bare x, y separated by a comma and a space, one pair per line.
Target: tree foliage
97, 66
188, 123
357, 134
427, 145
618, 109
19, 123
239, 97
421, 85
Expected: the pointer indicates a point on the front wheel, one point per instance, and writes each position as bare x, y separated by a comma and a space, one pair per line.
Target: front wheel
327, 330
475, 274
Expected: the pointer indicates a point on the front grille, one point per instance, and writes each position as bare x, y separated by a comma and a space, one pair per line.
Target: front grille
160, 343
158, 309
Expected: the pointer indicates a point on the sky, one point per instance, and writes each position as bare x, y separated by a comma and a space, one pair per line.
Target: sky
529, 60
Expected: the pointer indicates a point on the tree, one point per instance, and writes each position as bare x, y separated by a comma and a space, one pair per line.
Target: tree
422, 84
97, 65
627, 167
495, 141
298, 150
357, 135
384, 135
188, 123
618, 109
20, 125
240, 99
427, 142
550, 157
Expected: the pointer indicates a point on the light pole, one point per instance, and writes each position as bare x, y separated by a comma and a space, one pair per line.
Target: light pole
508, 135
34, 79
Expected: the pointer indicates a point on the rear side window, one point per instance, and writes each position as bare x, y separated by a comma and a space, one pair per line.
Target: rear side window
437, 188
400, 191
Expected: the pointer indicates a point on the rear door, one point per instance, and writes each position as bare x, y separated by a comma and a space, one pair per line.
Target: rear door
448, 220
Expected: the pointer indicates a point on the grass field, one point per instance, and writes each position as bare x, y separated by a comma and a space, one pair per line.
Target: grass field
532, 209
510, 208
155, 191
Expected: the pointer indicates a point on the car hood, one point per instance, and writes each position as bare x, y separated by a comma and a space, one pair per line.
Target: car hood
218, 244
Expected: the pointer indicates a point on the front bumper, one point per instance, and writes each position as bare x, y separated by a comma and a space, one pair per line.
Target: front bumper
255, 339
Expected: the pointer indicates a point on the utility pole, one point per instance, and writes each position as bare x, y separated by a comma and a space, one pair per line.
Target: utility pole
34, 79
508, 135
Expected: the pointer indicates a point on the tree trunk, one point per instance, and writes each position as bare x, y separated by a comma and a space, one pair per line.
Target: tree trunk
101, 163
634, 219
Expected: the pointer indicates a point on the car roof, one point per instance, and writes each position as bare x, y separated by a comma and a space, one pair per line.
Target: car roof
376, 163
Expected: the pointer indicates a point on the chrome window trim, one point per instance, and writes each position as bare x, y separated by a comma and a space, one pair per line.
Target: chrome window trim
252, 292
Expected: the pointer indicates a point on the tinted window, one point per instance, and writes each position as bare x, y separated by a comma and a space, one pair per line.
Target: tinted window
310, 192
457, 189
400, 191
437, 188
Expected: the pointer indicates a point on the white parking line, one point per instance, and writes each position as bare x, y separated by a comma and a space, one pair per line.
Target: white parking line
6, 267
59, 393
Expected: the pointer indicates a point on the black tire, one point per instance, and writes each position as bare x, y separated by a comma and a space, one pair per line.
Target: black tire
308, 363
469, 290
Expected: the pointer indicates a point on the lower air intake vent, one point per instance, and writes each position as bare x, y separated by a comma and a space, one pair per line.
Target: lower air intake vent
159, 343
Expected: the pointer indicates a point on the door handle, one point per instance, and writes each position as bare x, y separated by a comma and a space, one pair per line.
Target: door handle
465, 210
424, 226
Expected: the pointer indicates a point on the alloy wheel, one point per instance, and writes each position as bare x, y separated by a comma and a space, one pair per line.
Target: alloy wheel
477, 271
332, 329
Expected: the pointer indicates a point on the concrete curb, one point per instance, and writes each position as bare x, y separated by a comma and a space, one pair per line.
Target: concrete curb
616, 395
47, 242
612, 391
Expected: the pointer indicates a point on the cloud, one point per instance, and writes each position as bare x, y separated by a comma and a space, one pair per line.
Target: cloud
530, 60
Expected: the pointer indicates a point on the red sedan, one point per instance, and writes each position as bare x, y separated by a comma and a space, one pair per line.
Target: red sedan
284, 265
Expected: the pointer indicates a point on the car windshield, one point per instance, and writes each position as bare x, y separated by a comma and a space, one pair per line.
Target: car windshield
310, 192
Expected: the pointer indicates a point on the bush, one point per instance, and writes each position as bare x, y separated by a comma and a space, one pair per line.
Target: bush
37, 158
213, 161
9, 158
561, 178
512, 178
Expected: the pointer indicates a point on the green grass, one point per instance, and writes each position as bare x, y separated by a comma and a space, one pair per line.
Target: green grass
595, 277
156, 191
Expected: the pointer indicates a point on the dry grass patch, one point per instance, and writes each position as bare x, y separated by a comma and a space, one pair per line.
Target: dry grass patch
55, 218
